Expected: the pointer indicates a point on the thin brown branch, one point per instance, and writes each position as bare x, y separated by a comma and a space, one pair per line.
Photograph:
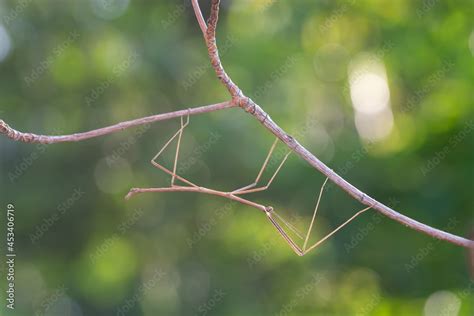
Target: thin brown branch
213, 52
199, 17
46, 139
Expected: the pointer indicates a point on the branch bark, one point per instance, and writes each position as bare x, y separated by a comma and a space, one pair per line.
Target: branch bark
249, 106
47, 139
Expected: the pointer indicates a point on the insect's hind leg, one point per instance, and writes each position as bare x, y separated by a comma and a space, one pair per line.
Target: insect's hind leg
335, 230
305, 251
292, 243
302, 251
283, 234
314, 214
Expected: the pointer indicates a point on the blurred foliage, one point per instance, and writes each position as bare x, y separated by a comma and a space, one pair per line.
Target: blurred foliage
83, 250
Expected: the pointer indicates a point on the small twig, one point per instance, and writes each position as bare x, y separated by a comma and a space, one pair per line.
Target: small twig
46, 139
199, 17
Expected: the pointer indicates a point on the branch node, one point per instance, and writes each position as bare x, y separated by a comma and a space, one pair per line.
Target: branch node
131, 193
246, 103
268, 210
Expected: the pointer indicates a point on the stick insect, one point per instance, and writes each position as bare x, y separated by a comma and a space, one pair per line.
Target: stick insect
276, 220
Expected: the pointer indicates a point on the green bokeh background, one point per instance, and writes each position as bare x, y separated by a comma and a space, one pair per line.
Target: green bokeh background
75, 66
